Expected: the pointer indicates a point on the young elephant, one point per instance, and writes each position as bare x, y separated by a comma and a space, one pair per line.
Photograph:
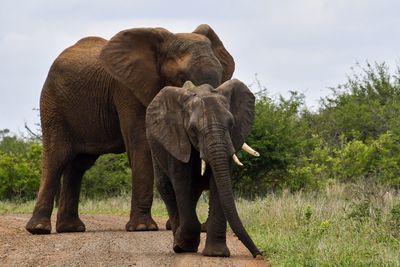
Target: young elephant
196, 131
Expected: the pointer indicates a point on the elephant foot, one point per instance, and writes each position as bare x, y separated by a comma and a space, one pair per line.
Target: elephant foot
216, 249
70, 225
141, 224
186, 246
38, 226
188, 242
182, 248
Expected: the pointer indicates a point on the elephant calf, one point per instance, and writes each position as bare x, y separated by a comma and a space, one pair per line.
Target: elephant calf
193, 135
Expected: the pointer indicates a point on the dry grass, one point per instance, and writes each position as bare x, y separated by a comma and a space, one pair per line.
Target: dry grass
347, 225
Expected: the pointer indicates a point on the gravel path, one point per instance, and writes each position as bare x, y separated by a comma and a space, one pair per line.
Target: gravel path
105, 243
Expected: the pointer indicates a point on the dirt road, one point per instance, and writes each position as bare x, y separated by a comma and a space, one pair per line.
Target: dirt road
105, 243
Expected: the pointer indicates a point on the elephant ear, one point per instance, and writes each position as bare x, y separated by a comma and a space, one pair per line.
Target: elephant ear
242, 103
165, 122
131, 56
219, 50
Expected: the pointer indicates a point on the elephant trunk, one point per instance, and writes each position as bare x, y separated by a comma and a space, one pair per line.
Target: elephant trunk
218, 159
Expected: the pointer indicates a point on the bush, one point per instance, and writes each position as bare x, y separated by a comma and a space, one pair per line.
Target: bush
110, 176
278, 135
365, 107
19, 169
353, 136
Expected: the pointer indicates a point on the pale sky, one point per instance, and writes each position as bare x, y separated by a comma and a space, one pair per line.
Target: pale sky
303, 45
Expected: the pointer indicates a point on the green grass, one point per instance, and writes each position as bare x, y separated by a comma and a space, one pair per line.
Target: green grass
112, 206
344, 225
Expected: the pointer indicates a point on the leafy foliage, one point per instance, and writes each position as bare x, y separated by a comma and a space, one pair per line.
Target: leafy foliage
275, 135
20, 171
110, 176
355, 135
19, 167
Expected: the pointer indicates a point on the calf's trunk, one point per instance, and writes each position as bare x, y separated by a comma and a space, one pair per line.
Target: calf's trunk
218, 160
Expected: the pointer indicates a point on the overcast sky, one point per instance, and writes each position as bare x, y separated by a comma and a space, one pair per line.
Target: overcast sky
304, 45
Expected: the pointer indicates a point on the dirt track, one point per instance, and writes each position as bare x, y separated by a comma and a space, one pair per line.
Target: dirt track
105, 243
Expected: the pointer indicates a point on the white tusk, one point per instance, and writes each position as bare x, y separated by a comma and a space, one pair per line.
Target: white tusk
203, 167
236, 160
249, 150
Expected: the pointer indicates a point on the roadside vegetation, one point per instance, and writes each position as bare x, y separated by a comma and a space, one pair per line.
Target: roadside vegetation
325, 190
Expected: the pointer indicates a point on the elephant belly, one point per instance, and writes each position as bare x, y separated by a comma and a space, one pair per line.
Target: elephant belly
95, 129
88, 121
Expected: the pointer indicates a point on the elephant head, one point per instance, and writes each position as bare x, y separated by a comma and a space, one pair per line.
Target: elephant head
147, 59
215, 122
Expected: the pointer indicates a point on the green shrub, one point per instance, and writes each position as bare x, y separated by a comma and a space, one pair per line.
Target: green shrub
20, 173
385, 159
365, 107
277, 135
110, 176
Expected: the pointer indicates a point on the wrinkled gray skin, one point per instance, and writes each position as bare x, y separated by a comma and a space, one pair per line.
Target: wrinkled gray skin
94, 102
184, 127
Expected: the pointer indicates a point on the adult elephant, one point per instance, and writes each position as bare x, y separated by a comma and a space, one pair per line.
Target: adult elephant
188, 131
94, 102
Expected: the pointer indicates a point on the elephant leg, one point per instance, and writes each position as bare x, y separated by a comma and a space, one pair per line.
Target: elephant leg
216, 226
142, 188
134, 133
197, 195
187, 235
53, 164
67, 217
167, 194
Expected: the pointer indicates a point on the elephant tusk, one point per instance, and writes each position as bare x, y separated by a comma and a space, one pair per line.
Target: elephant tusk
236, 160
249, 150
188, 85
203, 167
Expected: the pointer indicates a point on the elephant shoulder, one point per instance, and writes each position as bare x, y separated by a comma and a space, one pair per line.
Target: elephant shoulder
91, 41
83, 55
89, 47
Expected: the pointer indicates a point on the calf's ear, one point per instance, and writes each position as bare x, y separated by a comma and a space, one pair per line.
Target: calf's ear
165, 122
242, 103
